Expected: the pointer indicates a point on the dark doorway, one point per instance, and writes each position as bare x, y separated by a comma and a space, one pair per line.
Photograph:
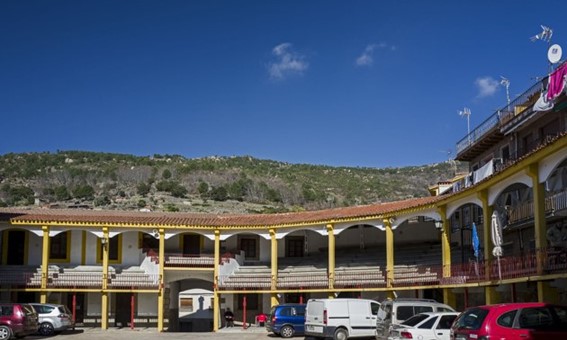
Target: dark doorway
79, 306
26, 297
16, 247
123, 310
191, 244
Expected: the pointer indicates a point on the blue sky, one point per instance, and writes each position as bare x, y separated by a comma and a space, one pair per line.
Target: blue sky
341, 83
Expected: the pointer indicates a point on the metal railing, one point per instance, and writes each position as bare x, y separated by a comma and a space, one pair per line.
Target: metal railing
502, 116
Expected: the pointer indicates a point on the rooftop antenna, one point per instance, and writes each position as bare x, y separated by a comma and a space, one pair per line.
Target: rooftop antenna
466, 112
545, 34
553, 52
506, 83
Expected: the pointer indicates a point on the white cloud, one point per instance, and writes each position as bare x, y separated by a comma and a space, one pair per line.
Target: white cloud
367, 57
287, 62
487, 86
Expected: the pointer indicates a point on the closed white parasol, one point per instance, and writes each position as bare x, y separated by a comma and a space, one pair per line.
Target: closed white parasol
496, 228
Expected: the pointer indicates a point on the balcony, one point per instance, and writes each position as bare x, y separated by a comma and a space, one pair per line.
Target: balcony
554, 203
500, 123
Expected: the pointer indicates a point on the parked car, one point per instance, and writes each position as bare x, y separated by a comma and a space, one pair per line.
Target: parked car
53, 318
434, 326
526, 321
17, 319
286, 320
341, 319
394, 312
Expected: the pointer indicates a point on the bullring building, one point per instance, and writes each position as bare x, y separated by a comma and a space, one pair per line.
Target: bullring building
496, 233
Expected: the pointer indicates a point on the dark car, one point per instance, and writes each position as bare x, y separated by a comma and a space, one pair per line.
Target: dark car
287, 320
17, 319
526, 321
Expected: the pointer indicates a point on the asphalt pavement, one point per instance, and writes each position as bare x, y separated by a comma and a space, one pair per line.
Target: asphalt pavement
235, 333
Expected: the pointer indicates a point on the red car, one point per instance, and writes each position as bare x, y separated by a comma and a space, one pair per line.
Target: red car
525, 321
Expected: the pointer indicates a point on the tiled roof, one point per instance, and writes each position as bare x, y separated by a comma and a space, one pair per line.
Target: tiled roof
173, 219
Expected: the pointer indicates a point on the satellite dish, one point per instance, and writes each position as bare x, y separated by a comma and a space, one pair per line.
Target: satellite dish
554, 53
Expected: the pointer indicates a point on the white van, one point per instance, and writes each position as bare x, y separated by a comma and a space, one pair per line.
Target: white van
394, 312
341, 319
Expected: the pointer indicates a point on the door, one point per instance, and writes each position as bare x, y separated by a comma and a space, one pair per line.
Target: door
16, 247
443, 327
191, 244
123, 310
362, 322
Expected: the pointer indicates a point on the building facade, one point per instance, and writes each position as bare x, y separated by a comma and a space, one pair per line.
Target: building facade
497, 233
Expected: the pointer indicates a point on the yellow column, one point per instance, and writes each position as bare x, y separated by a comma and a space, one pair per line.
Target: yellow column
104, 303
44, 264
546, 293
539, 218
331, 237
161, 261
274, 267
445, 242
216, 300
448, 295
389, 256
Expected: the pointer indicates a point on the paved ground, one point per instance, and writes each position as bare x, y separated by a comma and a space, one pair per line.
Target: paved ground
252, 333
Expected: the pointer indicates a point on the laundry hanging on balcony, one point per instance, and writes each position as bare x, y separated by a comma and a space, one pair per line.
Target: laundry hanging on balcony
556, 84
543, 104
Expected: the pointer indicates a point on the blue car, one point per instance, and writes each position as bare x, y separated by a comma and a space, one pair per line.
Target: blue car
287, 320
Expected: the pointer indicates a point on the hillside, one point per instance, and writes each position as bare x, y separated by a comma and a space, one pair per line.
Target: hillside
213, 184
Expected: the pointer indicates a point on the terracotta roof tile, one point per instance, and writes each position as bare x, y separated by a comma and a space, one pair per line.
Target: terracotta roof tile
98, 217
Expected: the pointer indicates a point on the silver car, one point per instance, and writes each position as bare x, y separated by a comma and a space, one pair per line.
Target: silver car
53, 318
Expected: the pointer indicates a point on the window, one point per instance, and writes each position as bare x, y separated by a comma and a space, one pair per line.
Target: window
535, 318
374, 307
58, 246
294, 246
505, 152
423, 309
561, 313
113, 248
446, 321
250, 247
428, 324
414, 320
507, 319
186, 305
287, 311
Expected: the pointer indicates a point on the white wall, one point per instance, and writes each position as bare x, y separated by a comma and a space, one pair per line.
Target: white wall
147, 305
130, 250
34, 249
